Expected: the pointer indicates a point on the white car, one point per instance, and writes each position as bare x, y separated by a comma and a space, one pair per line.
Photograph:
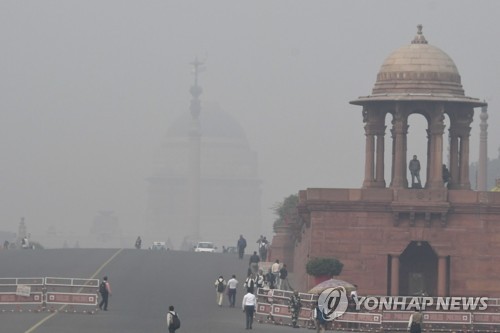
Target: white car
158, 246
205, 247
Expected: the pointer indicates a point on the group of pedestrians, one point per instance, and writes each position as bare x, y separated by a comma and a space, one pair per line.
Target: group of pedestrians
230, 287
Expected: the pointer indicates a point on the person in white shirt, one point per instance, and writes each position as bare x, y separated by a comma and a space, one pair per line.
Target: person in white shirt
232, 284
170, 319
275, 269
248, 306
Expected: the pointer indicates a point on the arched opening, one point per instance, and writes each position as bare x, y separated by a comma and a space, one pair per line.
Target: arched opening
418, 146
418, 270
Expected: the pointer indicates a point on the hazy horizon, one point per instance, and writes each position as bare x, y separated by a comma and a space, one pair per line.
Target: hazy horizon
88, 90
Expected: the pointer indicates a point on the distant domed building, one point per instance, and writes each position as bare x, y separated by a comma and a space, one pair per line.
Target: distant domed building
230, 194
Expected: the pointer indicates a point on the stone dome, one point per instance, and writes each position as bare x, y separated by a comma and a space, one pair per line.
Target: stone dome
418, 71
418, 68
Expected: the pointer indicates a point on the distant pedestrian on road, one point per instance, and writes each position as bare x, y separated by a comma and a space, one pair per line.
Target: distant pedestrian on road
241, 244
254, 262
232, 284
173, 321
248, 306
220, 286
105, 291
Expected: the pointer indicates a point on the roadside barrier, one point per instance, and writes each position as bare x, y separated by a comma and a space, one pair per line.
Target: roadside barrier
79, 295
272, 308
48, 294
21, 294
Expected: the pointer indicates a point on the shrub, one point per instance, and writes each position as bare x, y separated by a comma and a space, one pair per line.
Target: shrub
324, 266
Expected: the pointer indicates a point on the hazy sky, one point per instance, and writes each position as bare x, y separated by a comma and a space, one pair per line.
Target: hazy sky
89, 88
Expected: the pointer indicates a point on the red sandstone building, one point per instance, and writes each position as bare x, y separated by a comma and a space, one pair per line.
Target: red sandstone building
393, 237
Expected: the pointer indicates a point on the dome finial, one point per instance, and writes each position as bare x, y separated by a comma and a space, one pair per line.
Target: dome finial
419, 38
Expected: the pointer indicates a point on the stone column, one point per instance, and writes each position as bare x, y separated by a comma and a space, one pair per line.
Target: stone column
369, 118
394, 275
464, 161
441, 278
400, 129
454, 169
436, 157
369, 157
482, 164
380, 180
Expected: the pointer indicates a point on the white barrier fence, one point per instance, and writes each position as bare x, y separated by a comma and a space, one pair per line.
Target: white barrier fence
272, 308
48, 294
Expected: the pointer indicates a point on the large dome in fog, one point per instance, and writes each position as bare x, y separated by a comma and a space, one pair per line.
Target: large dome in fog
214, 124
418, 71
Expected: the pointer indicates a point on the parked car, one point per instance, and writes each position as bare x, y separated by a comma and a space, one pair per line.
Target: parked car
205, 247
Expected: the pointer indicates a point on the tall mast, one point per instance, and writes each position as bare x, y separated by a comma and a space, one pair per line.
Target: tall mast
194, 153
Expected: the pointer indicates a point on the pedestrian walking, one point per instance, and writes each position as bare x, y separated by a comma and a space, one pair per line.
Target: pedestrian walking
284, 284
270, 279
173, 321
259, 280
320, 319
295, 306
415, 322
254, 262
241, 245
232, 284
275, 269
220, 287
250, 283
248, 306
105, 291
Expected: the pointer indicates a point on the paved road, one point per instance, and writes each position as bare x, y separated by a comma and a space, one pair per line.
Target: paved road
144, 284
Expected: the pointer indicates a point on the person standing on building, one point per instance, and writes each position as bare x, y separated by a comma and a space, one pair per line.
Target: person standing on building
248, 306
415, 322
295, 306
414, 167
254, 262
173, 321
241, 245
232, 284
220, 286
105, 291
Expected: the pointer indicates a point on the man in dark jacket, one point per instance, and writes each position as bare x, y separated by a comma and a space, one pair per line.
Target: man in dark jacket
254, 262
242, 244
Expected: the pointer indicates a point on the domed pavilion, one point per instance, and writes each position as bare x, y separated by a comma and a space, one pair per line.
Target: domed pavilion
436, 237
